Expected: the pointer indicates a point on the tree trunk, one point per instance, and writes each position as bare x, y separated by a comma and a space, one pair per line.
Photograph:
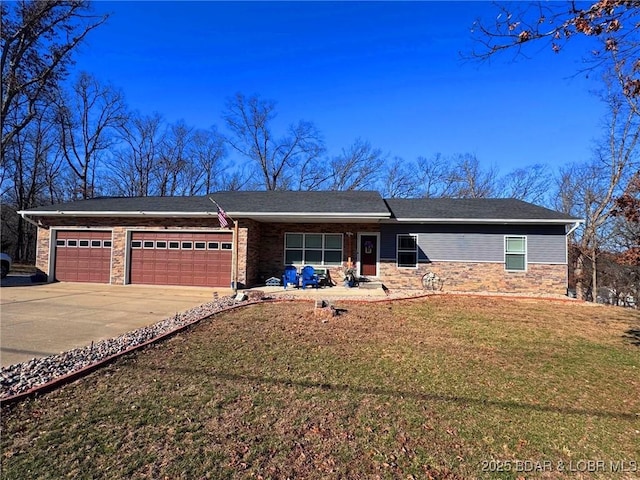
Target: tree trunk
594, 272
581, 292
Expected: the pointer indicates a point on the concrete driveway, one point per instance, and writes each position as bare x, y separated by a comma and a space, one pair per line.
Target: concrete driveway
45, 319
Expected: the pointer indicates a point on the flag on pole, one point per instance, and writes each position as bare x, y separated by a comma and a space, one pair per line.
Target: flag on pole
222, 217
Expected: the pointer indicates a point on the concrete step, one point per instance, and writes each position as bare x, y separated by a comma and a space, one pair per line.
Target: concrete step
370, 285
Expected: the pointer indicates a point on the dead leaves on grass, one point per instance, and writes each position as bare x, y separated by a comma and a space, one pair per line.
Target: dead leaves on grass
416, 389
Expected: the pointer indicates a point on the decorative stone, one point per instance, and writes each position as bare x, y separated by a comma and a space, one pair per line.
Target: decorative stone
21, 377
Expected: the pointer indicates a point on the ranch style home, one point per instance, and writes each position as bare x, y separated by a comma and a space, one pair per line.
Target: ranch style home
494, 245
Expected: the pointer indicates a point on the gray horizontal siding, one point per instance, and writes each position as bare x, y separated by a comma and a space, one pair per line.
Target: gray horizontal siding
547, 248
462, 247
459, 246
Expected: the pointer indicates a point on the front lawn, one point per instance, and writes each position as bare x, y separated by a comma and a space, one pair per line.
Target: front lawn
445, 387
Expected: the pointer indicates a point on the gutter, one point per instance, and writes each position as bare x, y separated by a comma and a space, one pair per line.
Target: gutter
487, 220
23, 214
140, 213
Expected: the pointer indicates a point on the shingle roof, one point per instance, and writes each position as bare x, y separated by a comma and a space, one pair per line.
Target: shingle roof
272, 205
362, 202
238, 203
131, 205
466, 209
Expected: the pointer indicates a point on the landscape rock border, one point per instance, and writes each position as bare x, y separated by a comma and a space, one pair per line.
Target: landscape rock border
40, 375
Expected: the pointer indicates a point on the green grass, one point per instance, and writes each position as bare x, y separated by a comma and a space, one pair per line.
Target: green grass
447, 387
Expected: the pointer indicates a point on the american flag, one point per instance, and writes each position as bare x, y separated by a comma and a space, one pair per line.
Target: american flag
222, 217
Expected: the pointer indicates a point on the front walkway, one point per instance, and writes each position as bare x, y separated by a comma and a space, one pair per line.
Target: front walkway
337, 292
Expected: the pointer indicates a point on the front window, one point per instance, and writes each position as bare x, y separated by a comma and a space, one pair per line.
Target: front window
313, 249
407, 252
515, 253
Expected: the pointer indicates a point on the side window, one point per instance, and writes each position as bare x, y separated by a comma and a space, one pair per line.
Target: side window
515, 254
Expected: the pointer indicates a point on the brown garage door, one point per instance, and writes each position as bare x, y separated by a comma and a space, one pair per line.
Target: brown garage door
83, 256
185, 258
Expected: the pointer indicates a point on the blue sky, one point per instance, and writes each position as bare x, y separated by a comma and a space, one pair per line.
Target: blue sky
387, 72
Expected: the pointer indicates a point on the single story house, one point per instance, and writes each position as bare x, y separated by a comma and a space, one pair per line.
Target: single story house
497, 245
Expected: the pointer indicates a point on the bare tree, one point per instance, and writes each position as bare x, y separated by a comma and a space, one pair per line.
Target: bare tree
173, 160
239, 178
132, 167
400, 180
312, 174
38, 40
276, 159
89, 118
357, 167
530, 184
434, 175
33, 170
589, 190
468, 179
207, 152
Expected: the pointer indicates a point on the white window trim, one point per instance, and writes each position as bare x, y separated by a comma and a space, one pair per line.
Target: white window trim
322, 248
398, 250
526, 256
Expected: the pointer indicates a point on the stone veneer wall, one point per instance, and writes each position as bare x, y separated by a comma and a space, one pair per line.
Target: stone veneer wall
270, 245
250, 259
475, 277
119, 226
42, 250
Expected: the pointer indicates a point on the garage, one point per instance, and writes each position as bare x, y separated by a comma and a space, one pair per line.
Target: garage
201, 259
83, 256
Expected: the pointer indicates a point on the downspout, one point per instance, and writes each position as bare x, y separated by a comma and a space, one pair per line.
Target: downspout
575, 227
571, 230
23, 214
